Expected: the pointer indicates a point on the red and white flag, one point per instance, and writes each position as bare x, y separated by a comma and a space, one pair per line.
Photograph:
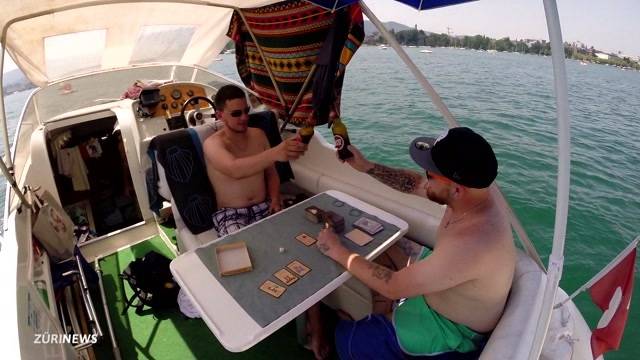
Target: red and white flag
611, 290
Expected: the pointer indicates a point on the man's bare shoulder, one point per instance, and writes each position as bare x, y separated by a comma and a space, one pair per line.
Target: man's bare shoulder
213, 144
257, 135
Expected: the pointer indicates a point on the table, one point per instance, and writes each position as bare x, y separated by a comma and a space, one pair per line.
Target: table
228, 320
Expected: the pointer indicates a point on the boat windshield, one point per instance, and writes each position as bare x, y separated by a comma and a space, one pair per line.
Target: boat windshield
53, 101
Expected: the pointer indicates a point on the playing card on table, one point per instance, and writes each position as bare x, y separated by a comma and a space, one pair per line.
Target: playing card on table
299, 268
306, 239
359, 237
367, 225
285, 276
272, 288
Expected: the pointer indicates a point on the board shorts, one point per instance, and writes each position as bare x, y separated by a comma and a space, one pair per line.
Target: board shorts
228, 220
417, 331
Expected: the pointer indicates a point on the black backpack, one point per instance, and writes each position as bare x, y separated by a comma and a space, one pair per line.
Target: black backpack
152, 283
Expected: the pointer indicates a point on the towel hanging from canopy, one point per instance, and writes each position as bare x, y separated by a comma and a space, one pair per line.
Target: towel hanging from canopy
291, 35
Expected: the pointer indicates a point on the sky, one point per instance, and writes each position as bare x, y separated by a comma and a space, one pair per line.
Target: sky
606, 25
609, 26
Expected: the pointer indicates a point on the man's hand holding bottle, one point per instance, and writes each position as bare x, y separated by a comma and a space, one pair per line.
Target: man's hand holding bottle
290, 149
357, 161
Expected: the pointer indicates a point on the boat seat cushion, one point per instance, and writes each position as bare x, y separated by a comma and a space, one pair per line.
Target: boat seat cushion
513, 336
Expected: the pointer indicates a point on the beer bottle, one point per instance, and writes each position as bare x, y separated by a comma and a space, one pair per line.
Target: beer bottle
306, 133
341, 138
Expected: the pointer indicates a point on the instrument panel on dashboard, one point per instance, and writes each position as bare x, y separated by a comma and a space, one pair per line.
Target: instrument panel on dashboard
173, 96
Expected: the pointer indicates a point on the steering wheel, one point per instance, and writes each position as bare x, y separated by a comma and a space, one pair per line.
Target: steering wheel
197, 117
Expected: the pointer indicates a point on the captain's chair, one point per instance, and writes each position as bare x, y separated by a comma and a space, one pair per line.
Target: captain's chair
179, 175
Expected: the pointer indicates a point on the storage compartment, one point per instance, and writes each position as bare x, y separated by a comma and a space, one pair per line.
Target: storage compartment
92, 176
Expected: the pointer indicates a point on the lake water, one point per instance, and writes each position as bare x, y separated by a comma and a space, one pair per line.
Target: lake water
508, 98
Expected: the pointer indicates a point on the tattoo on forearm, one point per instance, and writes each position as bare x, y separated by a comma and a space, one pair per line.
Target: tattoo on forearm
380, 272
395, 178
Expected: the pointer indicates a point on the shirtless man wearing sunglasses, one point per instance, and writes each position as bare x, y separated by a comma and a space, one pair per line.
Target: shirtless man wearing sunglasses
240, 164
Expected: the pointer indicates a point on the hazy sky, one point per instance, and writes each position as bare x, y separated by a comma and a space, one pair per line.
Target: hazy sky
606, 25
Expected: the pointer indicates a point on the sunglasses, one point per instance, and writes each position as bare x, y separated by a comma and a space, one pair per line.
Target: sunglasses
239, 112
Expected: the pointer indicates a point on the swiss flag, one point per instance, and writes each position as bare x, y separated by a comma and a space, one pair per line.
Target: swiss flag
612, 294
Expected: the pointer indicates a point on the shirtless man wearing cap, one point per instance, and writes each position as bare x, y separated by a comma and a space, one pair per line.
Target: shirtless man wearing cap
454, 294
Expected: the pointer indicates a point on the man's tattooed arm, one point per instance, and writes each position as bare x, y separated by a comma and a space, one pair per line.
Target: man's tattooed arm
401, 180
380, 272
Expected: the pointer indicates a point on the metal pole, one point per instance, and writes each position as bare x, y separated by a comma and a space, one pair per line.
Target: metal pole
114, 342
3, 117
556, 259
299, 97
12, 181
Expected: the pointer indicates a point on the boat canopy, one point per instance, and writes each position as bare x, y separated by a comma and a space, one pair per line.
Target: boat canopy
55, 39
70, 38
418, 4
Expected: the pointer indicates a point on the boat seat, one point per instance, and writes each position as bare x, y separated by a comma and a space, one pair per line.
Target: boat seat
513, 336
197, 229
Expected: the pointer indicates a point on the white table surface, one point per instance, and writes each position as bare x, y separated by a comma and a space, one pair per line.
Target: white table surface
229, 322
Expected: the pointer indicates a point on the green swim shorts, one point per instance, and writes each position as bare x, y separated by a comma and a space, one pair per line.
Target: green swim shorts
422, 331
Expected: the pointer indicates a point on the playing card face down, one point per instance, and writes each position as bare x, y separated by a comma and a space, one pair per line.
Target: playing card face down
359, 237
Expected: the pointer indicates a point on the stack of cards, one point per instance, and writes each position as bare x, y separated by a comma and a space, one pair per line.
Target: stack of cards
367, 225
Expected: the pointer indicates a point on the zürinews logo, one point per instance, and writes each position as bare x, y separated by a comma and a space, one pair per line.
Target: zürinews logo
74, 339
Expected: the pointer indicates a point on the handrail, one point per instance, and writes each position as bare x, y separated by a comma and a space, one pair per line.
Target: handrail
556, 259
437, 101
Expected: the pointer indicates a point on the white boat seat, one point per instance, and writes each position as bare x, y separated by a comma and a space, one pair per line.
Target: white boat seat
513, 336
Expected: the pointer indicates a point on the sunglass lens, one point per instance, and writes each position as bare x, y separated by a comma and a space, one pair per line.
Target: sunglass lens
238, 113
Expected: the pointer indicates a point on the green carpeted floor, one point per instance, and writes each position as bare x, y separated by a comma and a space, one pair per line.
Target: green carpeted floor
170, 335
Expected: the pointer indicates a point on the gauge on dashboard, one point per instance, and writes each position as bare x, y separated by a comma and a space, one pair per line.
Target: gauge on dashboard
163, 98
189, 93
174, 104
176, 94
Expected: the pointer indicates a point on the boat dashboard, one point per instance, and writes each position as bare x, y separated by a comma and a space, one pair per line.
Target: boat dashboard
172, 106
172, 97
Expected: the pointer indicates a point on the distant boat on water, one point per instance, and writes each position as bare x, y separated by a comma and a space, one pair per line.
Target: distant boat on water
383, 47
426, 51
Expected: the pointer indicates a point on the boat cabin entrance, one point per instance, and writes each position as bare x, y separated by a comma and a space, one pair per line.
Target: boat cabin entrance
92, 175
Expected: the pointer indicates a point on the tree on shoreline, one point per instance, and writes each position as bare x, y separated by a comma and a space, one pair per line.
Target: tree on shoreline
577, 51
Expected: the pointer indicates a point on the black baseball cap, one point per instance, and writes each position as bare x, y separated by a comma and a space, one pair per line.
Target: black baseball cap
460, 155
